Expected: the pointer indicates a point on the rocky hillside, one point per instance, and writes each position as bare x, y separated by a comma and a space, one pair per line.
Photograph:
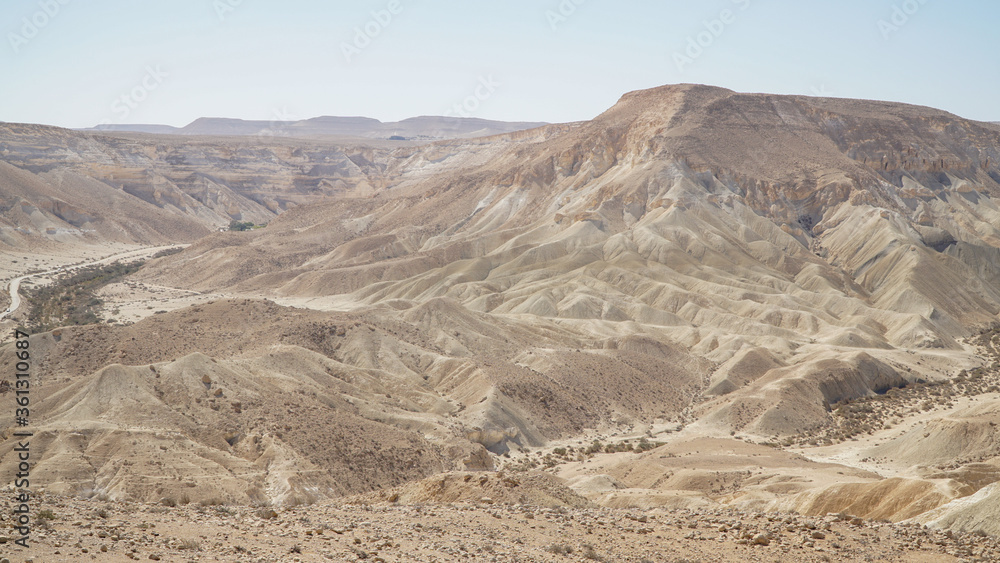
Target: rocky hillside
66, 187
747, 300
479, 529
818, 234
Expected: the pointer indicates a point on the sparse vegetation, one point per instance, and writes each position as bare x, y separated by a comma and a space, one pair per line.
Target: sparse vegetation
560, 549
852, 418
71, 299
46, 514
569, 454
167, 252
590, 553
244, 225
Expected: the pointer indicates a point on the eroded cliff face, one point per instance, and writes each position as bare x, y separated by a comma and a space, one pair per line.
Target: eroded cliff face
724, 222
82, 183
834, 189
737, 262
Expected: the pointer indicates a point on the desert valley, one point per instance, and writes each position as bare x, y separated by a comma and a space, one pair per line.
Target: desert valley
703, 326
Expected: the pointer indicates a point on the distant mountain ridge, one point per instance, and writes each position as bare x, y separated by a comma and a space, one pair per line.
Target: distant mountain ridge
415, 128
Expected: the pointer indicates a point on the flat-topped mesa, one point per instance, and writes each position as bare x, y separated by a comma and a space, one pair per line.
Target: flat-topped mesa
798, 150
680, 177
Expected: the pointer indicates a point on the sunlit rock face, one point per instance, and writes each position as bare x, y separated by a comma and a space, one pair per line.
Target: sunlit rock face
741, 265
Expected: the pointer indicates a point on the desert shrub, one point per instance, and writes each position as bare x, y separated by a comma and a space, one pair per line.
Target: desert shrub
560, 549
590, 553
235, 225
46, 514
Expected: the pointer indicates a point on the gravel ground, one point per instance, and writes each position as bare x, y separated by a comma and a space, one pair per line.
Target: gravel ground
107, 531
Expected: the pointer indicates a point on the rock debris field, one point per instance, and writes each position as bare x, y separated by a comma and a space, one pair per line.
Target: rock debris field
107, 531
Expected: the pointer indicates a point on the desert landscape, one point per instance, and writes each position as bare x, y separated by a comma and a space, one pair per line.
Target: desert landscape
703, 326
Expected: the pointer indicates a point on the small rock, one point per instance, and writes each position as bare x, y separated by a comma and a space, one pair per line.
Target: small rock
761, 539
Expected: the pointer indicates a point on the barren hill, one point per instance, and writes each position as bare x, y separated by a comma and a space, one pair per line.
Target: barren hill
67, 187
780, 289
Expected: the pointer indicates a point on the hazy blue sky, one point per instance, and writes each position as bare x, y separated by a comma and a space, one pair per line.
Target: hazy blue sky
80, 62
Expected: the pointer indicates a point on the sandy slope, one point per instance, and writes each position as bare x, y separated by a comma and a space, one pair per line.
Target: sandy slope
737, 264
